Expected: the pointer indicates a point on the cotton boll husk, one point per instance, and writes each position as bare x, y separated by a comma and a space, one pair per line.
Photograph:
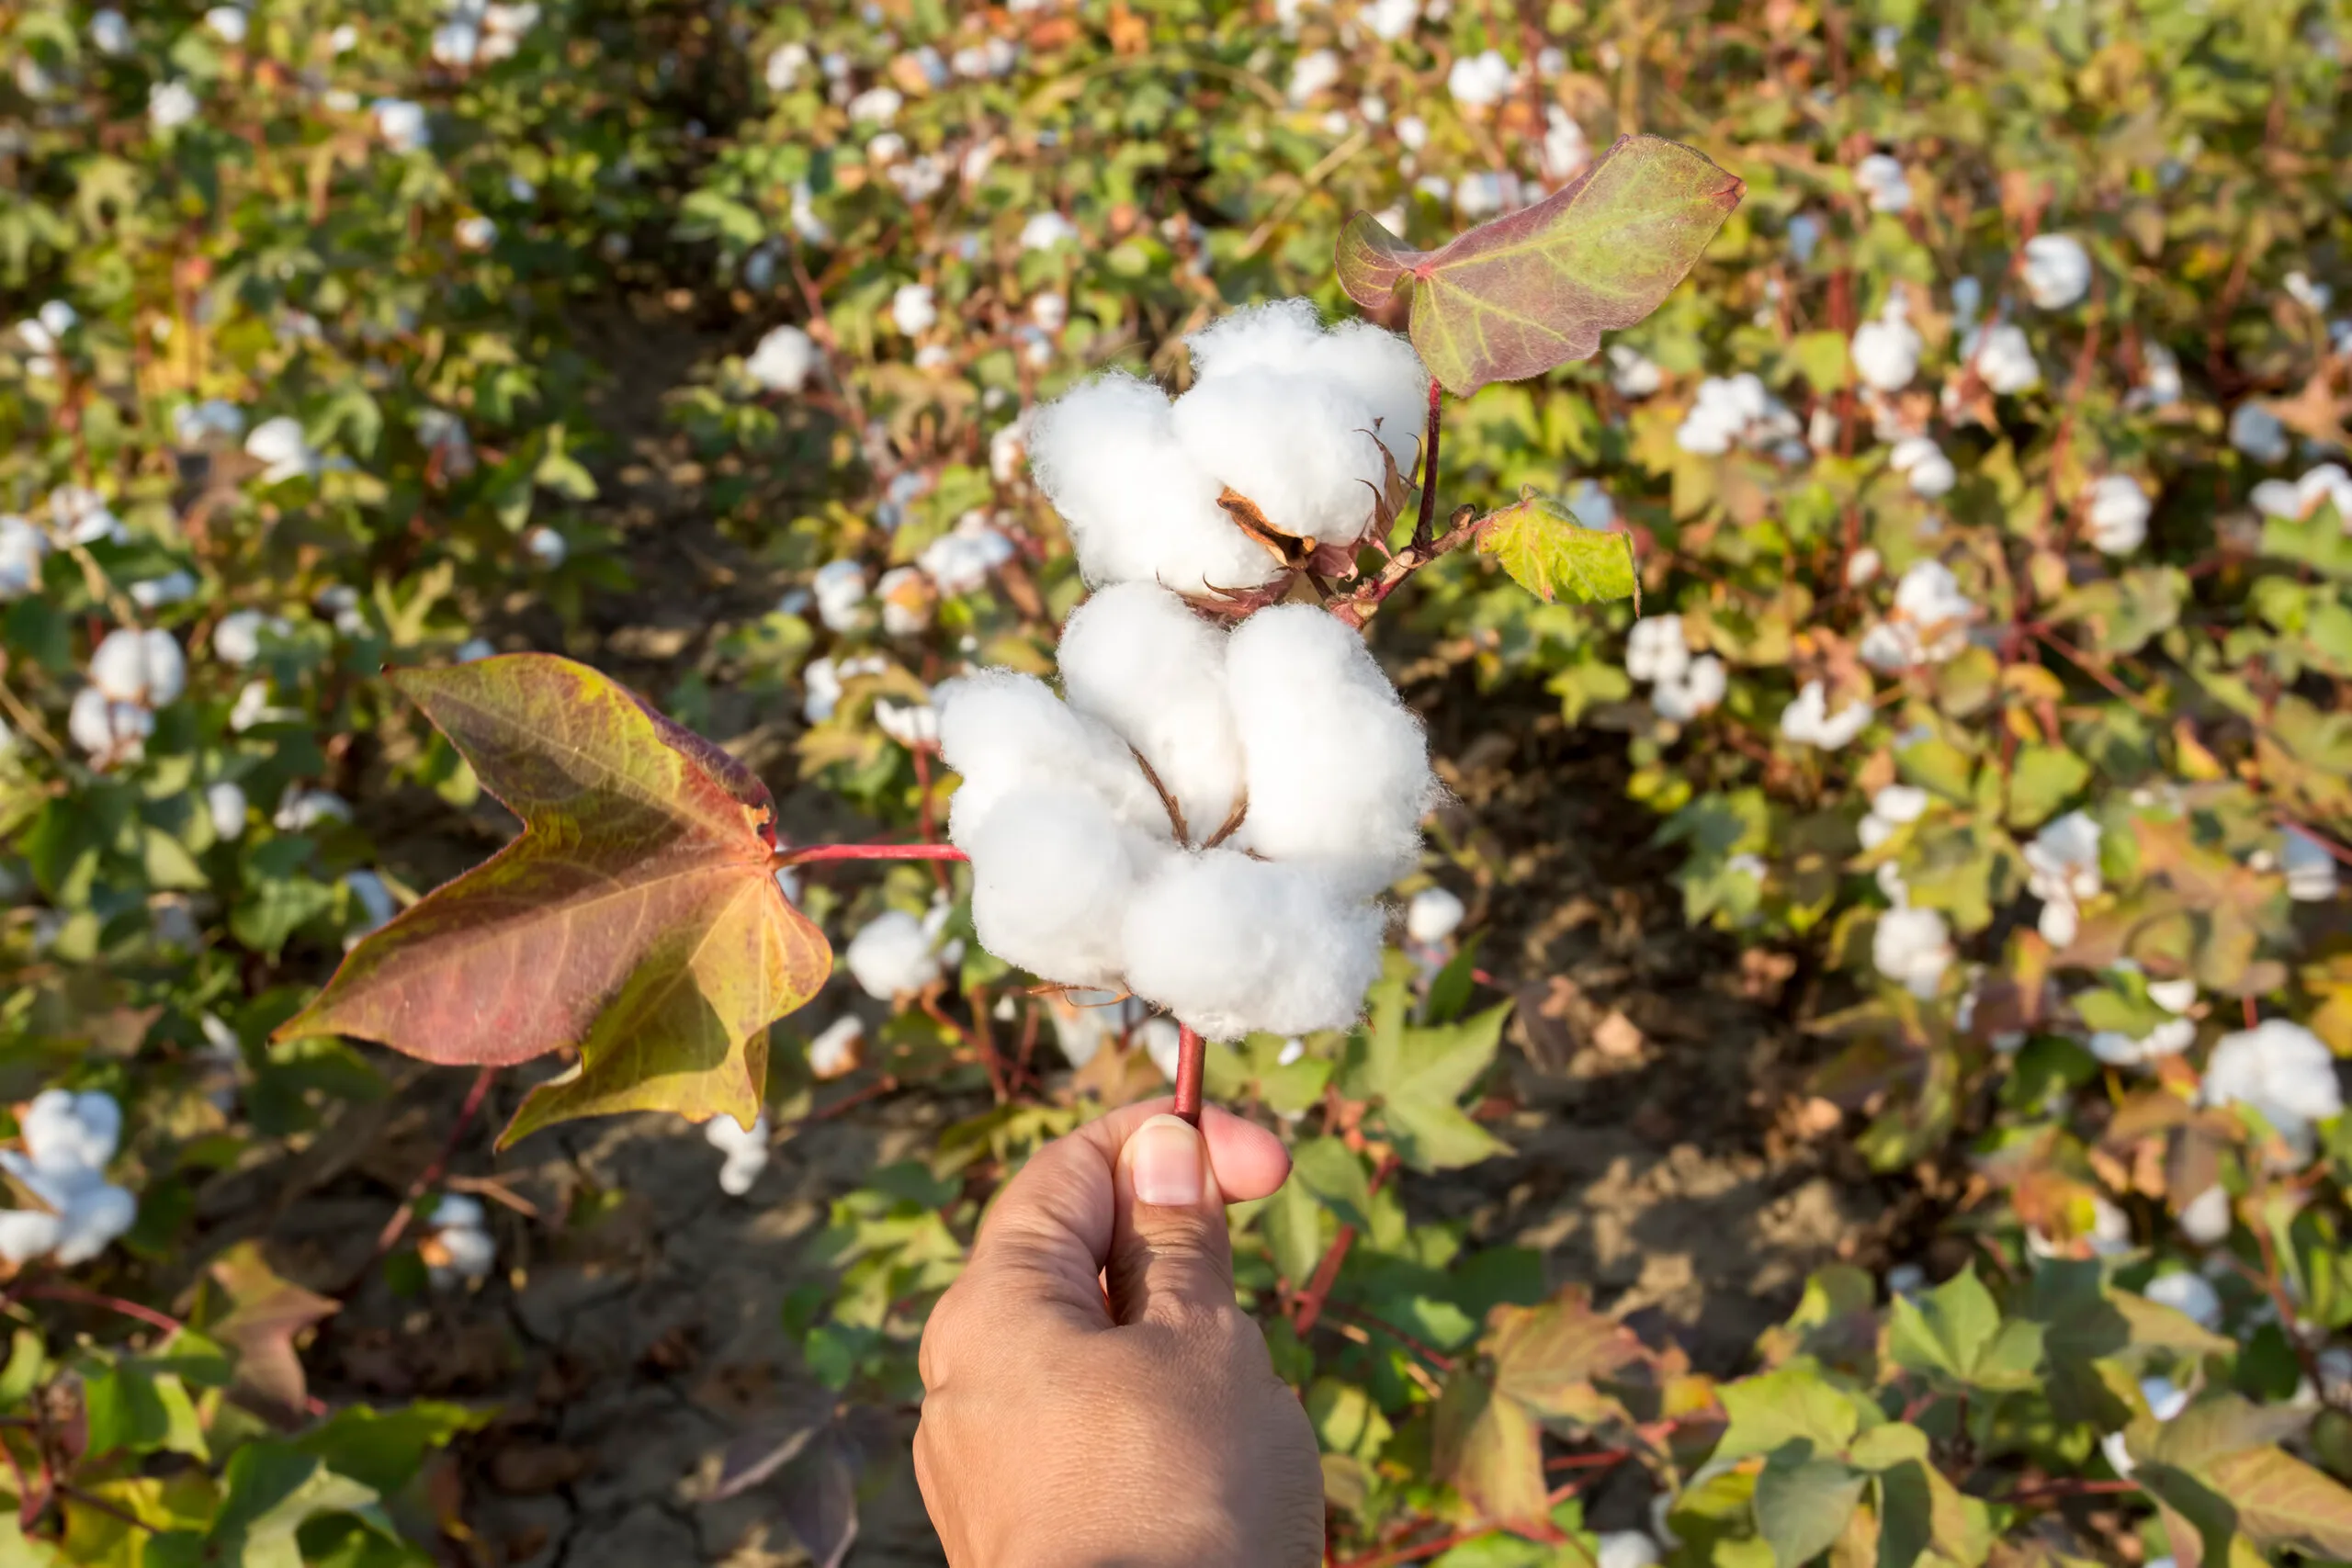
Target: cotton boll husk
1136, 658
1138, 508
1300, 447
1053, 872
1003, 732
1336, 767
1232, 945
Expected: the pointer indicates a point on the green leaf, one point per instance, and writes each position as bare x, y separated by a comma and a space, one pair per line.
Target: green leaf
1418, 1074
1957, 1331
1326, 1167
271, 1491
636, 918
1776, 1408
2041, 779
1553, 556
1537, 287
264, 1316
1801, 1507
384, 1449
2319, 541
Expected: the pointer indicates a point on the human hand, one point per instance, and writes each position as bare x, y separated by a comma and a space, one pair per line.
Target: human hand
1095, 1397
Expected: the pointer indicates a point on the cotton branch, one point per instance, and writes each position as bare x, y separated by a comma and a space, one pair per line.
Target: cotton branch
1357, 607
813, 854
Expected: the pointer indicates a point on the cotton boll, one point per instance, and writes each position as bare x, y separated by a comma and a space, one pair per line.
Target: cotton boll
1232, 945
2258, 433
22, 549
283, 449
1138, 508
913, 725
1391, 19
304, 809
2121, 1050
2281, 1069
1697, 689
1298, 447
1479, 81
1913, 948
914, 308
836, 1050
146, 668
2205, 1219
2117, 521
2063, 872
2057, 270
2003, 358
110, 732
547, 548
2310, 869
1808, 721
1279, 335
1882, 182
1894, 806
1886, 353
1134, 657
2192, 1295
1384, 373
1313, 72
784, 360
960, 561
840, 592
1625, 1549
65, 1133
225, 803
27, 1234
1005, 732
401, 124
1337, 768
1656, 648
907, 601
1044, 231
1922, 463
1432, 916
90, 1222
1053, 872
746, 1152
1634, 374
891, 956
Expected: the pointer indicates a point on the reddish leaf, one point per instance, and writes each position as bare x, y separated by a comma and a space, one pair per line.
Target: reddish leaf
265, 1313
636, 918
1548, 1356
1488, 1447
1537, 287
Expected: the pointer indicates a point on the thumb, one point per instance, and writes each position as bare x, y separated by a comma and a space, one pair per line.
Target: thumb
1170, 1256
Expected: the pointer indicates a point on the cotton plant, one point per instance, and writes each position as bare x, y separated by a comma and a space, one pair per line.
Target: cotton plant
63, 1208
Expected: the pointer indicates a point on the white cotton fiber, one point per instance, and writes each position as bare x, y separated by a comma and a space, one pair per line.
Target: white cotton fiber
1299, 446
1053, 872
1336, 767
1233, 945
1136, 658
1003, 732
1376, 369
1276, 336
1138, 509
892, 955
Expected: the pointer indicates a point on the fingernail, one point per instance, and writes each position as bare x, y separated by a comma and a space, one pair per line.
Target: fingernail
1165, 1159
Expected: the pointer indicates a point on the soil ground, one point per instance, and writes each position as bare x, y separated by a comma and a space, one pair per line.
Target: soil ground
1663, 1152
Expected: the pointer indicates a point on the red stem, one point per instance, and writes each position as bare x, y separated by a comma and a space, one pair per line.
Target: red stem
397, 1226
80, 1297
812, 853
1191, 1053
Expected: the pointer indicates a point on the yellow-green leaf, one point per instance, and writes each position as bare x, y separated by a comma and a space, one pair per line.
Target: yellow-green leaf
1552, 556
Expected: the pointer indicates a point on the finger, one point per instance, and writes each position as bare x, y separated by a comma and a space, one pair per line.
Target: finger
1172, 1258
1047, 1237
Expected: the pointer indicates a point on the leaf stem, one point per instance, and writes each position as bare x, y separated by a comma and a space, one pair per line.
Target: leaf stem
397, 1226
814, 853
1359, 607
1192, 1052
1425, 529
79, 1297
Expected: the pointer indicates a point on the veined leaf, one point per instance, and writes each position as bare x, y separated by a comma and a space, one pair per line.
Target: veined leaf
636, 919
1537, 287
1546, 1357
1553, 556
1487, 1446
